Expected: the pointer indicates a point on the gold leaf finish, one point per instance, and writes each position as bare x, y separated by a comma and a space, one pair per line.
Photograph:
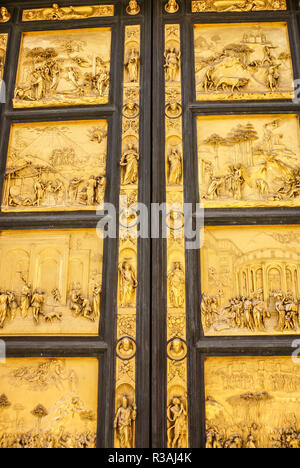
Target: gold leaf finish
251, 280
56, 166
224, 6
3, 45
57, 13
243, 62
50, 282
5, 15
252, 402
249, 160
48, 403
68, 68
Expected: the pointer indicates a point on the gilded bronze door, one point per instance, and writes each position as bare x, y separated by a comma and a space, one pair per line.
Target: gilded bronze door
150, 259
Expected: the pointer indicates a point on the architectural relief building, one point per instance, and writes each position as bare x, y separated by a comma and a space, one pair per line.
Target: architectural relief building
149, 224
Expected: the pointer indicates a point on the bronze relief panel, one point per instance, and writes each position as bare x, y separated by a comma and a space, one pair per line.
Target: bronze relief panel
251, 280
249, 160
224, 6
57, 166
57, 13
51, 282
48, 403
247, 61
252, 402
68, 68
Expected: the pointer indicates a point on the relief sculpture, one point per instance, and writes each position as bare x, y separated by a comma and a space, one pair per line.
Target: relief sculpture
50, 282
250, 281
252, 402
223, 6
57, 13
247, 161
3, 45
243, 62
48, 403
56, 166
5, 15
68, 68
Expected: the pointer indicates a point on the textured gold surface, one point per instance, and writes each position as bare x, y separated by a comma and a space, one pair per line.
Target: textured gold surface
125, 407
252, 402
5, 15
57, 13
248, 160
223, 6
50, 282
251, 280
63, 68
56, 166
177, 411
3, 45
243, 62
48, 403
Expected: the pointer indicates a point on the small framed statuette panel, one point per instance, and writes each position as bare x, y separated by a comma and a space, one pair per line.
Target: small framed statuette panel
252, 402
249, 160
63, 68
224, 6
251, 280
247, 61
3, 45
50, 282
49, 403
56, 166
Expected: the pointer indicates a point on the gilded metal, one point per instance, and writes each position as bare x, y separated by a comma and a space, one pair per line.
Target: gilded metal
57, 13
251, 280
177, 411
249, 160
223, 6
48, 403
243, 62
56, 166
50, 282
3, 46
69, 68
172, 6
125, 407
252, 402
5, 15
133, 8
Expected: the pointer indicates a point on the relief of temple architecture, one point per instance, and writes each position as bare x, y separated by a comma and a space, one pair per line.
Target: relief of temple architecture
48, 403
250, 160
68, 68
56, 13
243, 62
252, 402
3, 45
50, 282
251, 281
223, 6
56, 166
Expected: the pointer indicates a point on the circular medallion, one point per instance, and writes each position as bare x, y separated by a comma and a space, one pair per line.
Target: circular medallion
173, 110
176, 349
126, 348
131, 110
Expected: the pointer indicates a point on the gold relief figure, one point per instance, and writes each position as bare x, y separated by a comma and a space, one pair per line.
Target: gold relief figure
124, 423
72, 68
37, 302
97, 291
177, 349
172, 6
177, 423
57, 13
3, 44
244, 402
175, 167
251, 161
132, 65
128, 284
66, 418
133, 8
249, 289
238, 62
176, 278
130, 164
49, 168
199, 6
5, 15
126, 348
172, 64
